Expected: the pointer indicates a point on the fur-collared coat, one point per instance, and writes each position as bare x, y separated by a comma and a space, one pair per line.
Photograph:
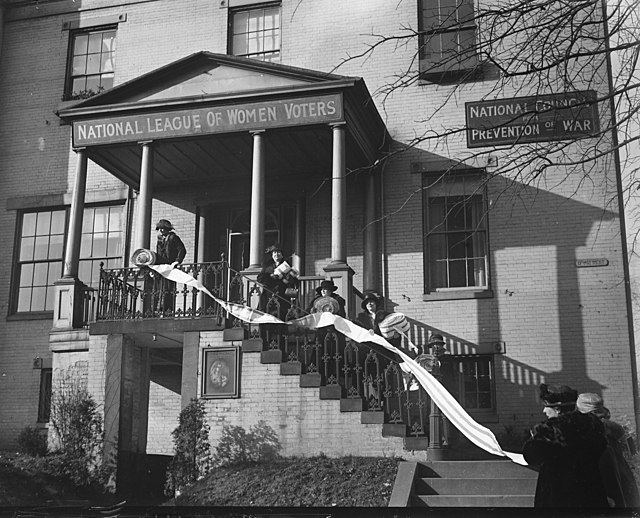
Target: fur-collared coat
567, 449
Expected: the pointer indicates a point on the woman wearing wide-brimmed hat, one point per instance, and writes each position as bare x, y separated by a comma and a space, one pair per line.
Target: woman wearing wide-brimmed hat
327, 299
169, 249
566, 448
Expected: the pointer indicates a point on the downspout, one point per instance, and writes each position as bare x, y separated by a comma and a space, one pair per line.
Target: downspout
2, 8
623, 226
383, 240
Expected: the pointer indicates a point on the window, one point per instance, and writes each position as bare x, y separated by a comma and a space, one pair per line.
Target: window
456, 244
447, 36
44, 401
40, 259
91, 62
102, 242
472, 382
255, 32
41, 252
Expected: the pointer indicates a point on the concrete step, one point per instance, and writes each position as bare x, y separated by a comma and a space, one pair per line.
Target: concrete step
476, 486
475, 469
474, 500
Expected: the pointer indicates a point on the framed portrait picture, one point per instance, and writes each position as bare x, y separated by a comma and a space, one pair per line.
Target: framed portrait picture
221, 372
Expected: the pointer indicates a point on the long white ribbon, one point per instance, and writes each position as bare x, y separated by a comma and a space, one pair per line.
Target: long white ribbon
458, 416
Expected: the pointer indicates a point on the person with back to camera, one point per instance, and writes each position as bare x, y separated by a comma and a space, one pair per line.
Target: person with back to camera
566, 448
621, 486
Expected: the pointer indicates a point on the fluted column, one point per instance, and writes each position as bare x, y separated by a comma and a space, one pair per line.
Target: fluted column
74, 237
256, 244
338, 196
143, 218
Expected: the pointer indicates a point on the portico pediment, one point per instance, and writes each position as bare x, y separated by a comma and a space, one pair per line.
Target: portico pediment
205, 107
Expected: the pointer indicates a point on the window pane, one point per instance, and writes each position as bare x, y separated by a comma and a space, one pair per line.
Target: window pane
56, 244
57, 222
240, 45
79, 65
99, 245
93, 64
240, 22
55, 272
38, 299
457, 245
465, 10
106, 81
26, 275
95, 43
29, 224
24, 299
107, 62
80, 44
114, 244
43, 224
93, 82
40, 273
41, 248
101, 219
457, 274
79, 85
27, 247
85, 245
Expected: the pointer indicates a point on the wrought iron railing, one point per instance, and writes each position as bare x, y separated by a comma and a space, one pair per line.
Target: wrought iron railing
88, 301
140, 292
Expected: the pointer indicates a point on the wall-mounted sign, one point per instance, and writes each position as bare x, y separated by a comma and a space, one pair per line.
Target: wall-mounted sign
202, 121
538, 118
588, 263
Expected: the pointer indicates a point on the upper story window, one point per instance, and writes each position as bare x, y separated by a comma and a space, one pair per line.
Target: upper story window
456, 247
41, 240
255, 32
447, 37
91, 63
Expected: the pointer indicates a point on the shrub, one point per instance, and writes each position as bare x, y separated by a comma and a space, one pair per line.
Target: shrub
32, 441
191, 460
236, 446
77, 427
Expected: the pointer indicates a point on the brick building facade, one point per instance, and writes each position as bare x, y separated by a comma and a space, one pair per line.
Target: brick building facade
542, 300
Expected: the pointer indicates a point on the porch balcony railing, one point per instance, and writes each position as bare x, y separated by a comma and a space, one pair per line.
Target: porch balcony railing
140, 293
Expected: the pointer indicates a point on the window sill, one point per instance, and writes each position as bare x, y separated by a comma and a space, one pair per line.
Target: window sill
36, 315
457, 295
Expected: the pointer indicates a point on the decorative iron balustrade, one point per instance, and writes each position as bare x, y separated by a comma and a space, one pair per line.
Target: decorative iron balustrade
140, 292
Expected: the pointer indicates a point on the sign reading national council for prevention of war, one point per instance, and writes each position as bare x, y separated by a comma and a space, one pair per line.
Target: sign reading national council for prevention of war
203, 121
538, 118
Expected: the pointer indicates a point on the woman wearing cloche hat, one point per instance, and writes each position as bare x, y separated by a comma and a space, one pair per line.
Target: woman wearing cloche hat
327, 299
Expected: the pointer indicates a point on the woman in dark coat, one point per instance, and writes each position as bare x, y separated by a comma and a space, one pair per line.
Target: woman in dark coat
275, 281
566, 448
323, 301
622, 490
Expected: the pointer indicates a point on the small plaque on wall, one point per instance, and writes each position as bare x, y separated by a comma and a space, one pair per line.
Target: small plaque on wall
590, 263
221, 372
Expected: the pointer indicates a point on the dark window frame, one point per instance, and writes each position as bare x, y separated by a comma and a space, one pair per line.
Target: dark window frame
447, 69
249, 8
69, 93
460, 390
433, 182
17, 268
44, 395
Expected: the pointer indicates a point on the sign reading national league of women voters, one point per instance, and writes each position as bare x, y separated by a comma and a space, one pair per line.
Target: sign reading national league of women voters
539, 118
203, 121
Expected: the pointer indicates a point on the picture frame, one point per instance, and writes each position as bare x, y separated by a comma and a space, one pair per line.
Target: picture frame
220, 372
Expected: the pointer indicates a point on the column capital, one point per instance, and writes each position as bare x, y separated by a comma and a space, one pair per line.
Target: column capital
335, 125
79, 149
253, 133
145, 142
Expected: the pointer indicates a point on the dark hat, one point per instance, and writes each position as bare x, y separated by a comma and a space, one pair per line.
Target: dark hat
273, 248
164, 223
371, 296
558, 396
436, 339
326, 285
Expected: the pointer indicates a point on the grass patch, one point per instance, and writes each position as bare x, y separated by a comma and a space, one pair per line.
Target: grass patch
297, 482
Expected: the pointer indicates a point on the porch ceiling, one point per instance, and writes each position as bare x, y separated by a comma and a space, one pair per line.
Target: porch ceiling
291, 153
